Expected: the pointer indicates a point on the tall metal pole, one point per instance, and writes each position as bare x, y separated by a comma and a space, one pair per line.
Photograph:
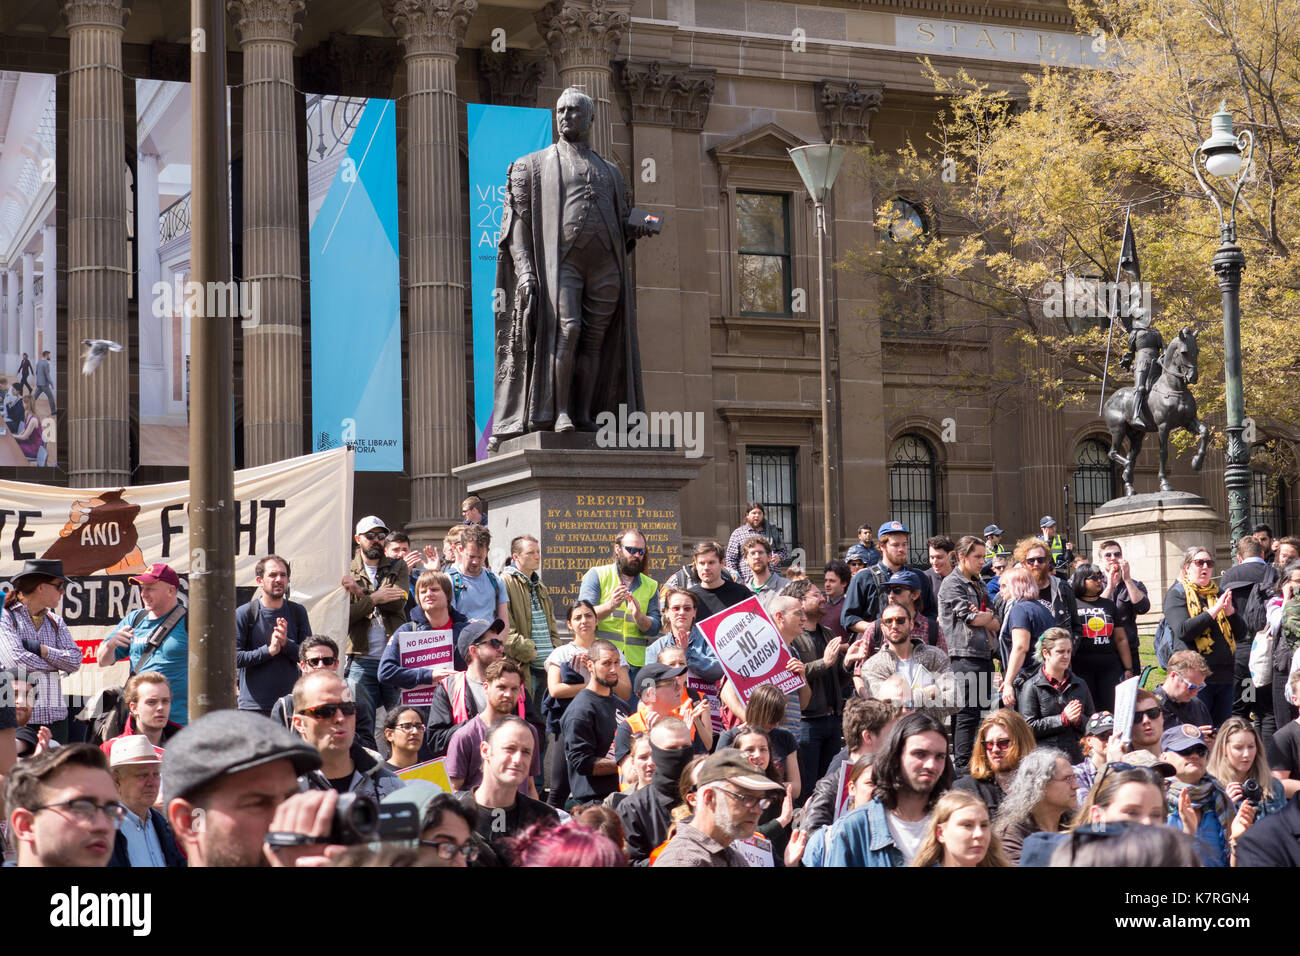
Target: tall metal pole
211, 622
1229, 261
827, 522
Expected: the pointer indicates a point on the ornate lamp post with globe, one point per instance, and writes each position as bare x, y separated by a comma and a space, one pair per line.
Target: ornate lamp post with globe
1222, 155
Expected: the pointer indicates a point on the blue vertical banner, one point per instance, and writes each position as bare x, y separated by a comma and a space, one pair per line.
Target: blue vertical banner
498, 135
356, 348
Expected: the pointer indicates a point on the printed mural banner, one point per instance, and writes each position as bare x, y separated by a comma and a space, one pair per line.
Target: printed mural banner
498, 135
300, 509
30, 365
356, 345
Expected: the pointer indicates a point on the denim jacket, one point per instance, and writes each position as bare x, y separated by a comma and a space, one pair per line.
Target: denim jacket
862, 838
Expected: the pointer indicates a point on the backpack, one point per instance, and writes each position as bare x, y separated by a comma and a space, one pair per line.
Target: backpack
1164, 644
1256, 613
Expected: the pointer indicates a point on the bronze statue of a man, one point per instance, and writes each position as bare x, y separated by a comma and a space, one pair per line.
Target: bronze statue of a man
566, 340
1145, 346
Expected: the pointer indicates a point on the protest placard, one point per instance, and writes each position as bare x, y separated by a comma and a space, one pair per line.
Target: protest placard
1125, 705
428, 648
433, 771
757, 850
750, 648
708, 690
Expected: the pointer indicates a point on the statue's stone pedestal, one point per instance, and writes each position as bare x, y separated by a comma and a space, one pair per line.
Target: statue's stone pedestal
1155, 530
574, 497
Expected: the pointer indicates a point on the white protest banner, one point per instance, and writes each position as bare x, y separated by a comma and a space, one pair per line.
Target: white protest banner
750, 648
300, 509
1125, 705
757, 850
430, 648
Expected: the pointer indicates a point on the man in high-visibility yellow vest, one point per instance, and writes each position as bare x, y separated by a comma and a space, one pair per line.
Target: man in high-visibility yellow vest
1062, 556
626, 601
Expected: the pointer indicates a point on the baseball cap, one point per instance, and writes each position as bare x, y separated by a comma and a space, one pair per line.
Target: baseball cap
892, 527
135, 749
907, 578
857, 553
157, 572
371, 523
1182, 738
1101, 723
731, 765
1146, 759
225, 742
1046, 520
993, 529
475, 632
653, 673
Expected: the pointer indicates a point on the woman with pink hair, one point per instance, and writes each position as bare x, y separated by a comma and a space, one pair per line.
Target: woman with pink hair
569, 844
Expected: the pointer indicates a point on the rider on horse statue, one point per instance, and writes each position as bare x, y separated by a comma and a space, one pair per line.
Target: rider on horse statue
1145, 346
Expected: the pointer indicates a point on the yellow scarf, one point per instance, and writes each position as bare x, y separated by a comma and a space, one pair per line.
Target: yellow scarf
1198, 600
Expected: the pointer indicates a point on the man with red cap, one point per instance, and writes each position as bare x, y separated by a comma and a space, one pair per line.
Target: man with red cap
154, 637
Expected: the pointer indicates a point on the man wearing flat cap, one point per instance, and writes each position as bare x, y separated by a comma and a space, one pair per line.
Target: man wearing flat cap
225, 779
731, 796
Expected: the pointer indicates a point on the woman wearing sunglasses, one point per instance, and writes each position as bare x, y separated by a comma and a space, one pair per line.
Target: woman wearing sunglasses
1203, 620
1103, 657
1002, 741
34, 639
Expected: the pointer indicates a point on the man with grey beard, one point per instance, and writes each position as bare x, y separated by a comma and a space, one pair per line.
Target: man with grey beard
731, 796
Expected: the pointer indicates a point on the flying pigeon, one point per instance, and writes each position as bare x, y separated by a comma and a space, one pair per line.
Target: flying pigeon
96, 349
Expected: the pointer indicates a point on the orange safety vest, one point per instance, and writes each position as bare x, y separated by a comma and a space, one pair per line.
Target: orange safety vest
636, 725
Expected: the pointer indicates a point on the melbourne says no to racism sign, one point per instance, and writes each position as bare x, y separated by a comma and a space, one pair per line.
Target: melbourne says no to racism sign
750, 648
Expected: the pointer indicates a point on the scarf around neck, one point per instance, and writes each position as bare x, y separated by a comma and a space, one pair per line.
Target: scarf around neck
1199, 599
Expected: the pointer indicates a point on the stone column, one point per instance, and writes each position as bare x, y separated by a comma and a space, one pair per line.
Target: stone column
50, 292
98, 405
154, 329
669, 105
11, 319
273, 356
430, 32
582, 36
27, 339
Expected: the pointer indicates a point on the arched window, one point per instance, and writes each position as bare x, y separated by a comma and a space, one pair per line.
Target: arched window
914, 492
907, 295
1270, 467
1094, 485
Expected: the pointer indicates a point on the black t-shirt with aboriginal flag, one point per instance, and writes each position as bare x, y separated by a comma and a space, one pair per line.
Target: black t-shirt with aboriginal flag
1097, 625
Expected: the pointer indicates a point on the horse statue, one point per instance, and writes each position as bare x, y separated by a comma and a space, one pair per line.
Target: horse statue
1168, 406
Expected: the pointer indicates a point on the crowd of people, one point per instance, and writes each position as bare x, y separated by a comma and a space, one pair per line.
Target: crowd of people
965, 714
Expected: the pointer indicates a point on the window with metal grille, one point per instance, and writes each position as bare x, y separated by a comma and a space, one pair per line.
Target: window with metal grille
771, 478
914, 493
1094, 485
763, 228
1268, 494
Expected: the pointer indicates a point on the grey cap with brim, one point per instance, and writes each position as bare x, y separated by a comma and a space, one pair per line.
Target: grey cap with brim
226, 742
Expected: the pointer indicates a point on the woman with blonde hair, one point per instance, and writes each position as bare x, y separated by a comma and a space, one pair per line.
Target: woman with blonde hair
960, 834
1002, 741
1024, 619
1237, 761
1203, 620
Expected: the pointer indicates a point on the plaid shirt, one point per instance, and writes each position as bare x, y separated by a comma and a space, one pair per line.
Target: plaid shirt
65, 656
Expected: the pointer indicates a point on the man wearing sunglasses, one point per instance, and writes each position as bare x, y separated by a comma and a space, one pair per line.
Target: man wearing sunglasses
377, 609
732, 798
464, 695
1130, 596
1178, 694
626, 601
1148, 724
326, 717
63, 808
